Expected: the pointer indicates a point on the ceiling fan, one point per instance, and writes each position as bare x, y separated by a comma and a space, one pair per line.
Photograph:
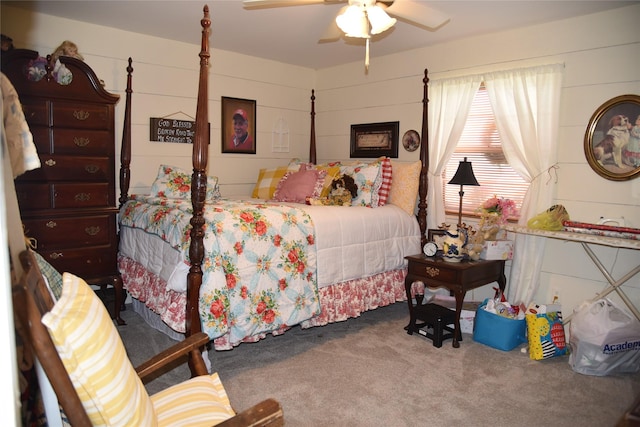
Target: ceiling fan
364, 18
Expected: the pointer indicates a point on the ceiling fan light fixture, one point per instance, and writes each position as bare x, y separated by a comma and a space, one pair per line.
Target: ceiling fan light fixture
379, 19
353, 22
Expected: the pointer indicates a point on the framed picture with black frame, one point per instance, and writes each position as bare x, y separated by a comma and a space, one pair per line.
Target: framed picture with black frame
375, 140
238, 125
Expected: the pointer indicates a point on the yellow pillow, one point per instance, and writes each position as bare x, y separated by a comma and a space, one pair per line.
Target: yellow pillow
268, 180
95, 358
200, 401
404, 185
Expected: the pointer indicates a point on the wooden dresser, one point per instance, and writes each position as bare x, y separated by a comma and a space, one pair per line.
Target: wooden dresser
69, 204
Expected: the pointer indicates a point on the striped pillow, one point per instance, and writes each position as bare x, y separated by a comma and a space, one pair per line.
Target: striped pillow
95, 358
385, 188
200, 401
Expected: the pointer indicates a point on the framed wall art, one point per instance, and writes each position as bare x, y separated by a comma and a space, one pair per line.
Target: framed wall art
375, 140
612, 139
238, 125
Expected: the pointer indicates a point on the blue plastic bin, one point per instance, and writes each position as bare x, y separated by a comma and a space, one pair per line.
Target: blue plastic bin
497, 331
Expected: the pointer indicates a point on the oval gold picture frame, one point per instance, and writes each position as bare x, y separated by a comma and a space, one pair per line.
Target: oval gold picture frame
612, 139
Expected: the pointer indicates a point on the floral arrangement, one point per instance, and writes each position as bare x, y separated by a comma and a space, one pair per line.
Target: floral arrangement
499, 207
494, 213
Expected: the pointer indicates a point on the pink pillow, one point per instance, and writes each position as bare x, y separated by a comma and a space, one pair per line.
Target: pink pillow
298, 186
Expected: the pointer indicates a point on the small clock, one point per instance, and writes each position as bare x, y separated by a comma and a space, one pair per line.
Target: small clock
430, 249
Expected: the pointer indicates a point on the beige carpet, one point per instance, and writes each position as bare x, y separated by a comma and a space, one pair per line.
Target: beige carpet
369, 372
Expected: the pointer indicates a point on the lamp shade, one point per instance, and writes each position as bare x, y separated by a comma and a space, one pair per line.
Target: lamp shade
380, 21
353, 22
464, 175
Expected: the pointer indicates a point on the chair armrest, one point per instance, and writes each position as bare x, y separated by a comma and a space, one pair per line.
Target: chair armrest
266, 413
192, 343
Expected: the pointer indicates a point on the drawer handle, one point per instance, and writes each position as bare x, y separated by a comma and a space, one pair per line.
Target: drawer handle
92, 231
81, 142
81, 114
432, 271
50, 162
92, 168
56, 255
52, 224
82, 197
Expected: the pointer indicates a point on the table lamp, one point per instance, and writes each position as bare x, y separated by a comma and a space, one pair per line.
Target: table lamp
463, 176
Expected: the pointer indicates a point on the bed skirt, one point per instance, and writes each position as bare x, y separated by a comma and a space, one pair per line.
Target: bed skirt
339, 302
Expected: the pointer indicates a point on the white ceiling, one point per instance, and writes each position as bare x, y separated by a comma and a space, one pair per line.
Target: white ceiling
291, 34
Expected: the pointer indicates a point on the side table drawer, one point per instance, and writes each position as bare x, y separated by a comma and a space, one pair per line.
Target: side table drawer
433, 272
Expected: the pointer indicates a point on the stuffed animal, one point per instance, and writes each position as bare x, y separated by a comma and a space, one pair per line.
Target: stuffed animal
343, 190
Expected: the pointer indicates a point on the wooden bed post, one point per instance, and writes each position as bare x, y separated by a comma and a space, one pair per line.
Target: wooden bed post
198, 194
125, 150
424, 158
312, 141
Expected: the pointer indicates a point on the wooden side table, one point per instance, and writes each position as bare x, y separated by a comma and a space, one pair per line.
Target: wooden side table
458, 277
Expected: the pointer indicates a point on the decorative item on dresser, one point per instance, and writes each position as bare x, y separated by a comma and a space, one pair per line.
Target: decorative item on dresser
68, 206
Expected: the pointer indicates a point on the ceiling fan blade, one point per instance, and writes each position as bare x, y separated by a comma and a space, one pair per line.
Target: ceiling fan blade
416, 13
333, 32
260, 4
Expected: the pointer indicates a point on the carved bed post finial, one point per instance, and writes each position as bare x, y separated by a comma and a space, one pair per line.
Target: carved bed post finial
125, 150
424, 158
312, 140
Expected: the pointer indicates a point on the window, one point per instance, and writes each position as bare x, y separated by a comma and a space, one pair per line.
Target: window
481, 145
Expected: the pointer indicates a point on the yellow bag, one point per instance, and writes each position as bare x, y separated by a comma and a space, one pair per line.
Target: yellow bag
551, 219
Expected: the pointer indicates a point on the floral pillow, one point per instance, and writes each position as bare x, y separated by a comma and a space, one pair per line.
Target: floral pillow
175, 183
298, 186
368, 178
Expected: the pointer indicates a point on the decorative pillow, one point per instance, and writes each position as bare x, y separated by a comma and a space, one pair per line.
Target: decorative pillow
385, 187
368, 178
268, 180
175, 183
199, 401
94, 356
298, 186
404, 185
54, 278
333, 171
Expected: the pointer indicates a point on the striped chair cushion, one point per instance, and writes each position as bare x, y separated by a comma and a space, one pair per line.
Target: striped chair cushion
95, 358
200, 401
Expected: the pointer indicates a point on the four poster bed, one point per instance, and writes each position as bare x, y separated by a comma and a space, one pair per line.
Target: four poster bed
259, 265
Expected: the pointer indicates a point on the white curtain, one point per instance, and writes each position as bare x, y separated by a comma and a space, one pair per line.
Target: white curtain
526, 103
449, 104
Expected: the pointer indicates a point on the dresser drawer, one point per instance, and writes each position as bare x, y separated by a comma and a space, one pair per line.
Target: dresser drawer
41, 137
36, 111
79, 115
82, 195
33, 196
82, 142
87, 263
71, 168
70, 232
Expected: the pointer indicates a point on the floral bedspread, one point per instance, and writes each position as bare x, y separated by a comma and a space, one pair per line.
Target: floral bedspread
259, 270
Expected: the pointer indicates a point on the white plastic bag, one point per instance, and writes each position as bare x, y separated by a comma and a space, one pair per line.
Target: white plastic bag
604, 339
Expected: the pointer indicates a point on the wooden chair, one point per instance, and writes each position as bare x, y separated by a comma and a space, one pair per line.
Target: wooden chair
35, 307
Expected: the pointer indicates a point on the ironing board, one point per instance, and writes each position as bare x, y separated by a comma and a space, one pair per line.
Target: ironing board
585, 240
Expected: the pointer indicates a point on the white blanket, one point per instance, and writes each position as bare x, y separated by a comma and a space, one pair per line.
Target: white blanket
352, 242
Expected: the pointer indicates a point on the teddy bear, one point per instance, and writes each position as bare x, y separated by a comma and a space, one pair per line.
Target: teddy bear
343, 190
